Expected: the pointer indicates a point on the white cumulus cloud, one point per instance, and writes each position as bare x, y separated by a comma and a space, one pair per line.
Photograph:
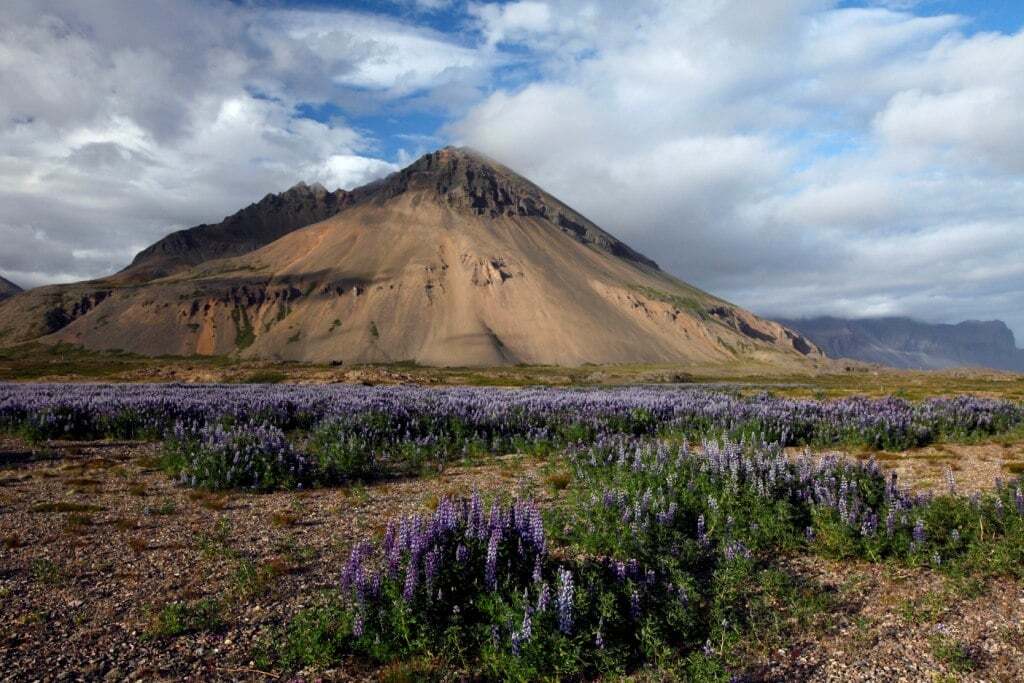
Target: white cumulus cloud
798, 158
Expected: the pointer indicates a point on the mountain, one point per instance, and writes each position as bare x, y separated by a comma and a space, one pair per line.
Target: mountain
906, 343
254, 226
8, 289
454, 260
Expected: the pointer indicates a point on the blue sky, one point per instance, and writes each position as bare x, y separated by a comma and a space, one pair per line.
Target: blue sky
798, 157
983, 15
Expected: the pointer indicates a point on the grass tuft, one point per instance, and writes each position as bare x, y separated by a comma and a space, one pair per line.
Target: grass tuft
179, 618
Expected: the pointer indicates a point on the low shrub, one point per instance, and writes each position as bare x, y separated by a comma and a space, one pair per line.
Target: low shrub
245, 456
339, 454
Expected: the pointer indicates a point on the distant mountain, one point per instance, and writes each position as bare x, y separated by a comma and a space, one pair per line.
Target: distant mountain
256, 225
8, 289
454, 260
906, 343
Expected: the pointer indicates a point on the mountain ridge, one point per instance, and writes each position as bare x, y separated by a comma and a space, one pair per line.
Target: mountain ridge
8, 288
250, 228
276, 215
907, 343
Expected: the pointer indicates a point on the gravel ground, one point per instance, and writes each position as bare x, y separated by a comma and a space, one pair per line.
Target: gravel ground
900, 624
95, 541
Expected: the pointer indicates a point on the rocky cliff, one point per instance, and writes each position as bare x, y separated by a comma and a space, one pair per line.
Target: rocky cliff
907, 343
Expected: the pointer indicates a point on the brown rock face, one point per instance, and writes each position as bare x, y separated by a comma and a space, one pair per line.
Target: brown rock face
256, 225
455, 260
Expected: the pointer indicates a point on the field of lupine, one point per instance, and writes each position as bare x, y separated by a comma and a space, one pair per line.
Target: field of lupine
662, 556
265, 437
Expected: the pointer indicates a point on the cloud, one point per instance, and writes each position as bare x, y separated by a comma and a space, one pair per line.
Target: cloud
794, 157
370, 52
122, 121
515, 19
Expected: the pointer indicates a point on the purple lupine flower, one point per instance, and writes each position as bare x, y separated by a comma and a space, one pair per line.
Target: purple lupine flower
353, 567
389, 538
524, 633
409, 589
809, 534
461, 554
563, 601
543, 598
919, 534
869, 525
491, 566
357, 624
430, 565
702, 536
633, 567
537, 537
475, 524
736, 549
844, 510
1019, 500
445, 516
634, 605
598, 637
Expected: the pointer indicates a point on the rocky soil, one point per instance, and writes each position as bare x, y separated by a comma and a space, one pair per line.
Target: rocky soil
96, 541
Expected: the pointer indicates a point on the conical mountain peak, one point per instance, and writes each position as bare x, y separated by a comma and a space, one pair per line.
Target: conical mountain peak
469, 181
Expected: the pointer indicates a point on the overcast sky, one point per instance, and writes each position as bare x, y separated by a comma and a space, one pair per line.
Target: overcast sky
794, 156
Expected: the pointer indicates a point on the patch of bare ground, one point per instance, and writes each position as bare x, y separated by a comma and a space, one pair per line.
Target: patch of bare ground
901, 624
105, 560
